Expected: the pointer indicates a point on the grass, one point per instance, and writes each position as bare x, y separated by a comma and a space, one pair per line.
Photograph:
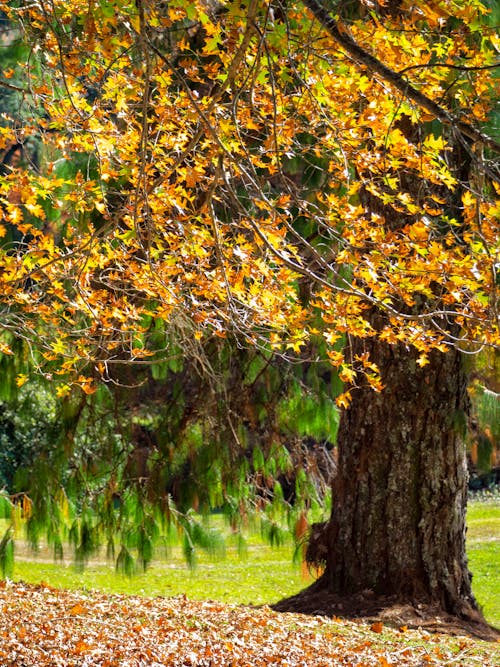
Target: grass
265, 575
483, 550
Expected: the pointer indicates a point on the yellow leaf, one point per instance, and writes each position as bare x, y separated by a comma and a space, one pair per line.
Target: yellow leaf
295, 345
36, 210
336, 358
374, 381
5, 349
63, 390
468, 198
344, 400
15, 215
21, 379
434, 143
58, 347
331, 337
347, 374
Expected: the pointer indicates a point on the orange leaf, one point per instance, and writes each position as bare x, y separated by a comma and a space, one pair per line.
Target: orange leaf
81, 647
77, 609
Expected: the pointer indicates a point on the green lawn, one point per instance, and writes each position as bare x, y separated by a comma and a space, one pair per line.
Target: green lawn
264, 576
483, 549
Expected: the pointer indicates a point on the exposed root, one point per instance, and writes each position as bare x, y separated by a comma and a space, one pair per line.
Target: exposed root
390, 610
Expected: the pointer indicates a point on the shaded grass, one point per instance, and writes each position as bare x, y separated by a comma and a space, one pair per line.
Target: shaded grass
264, 576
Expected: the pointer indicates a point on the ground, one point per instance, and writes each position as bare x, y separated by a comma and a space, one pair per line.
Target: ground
41, 626
387, 610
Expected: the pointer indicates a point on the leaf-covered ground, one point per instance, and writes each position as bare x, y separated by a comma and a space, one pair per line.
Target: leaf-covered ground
42, 626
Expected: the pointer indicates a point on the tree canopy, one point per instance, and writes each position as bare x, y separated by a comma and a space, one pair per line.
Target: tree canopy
210, 166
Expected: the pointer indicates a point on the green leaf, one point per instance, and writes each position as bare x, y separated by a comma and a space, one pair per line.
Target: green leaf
5, 506
7, 553
125, 563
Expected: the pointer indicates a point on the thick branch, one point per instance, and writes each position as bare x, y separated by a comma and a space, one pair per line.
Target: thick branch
362, 57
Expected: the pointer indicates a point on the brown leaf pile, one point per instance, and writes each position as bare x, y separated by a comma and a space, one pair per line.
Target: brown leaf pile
42, 626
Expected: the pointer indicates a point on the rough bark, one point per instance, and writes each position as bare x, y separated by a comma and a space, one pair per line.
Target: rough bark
394, 547
399, 497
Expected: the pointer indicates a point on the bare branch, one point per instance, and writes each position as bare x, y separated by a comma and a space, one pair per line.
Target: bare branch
12, 86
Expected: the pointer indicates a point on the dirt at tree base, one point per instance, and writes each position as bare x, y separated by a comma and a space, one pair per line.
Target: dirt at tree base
389, 610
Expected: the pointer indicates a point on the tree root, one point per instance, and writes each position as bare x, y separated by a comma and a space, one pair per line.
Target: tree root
389, 610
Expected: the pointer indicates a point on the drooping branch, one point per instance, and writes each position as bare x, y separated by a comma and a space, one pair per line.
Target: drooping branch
362, 57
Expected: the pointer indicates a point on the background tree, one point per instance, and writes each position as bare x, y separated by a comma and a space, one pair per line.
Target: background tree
266, 174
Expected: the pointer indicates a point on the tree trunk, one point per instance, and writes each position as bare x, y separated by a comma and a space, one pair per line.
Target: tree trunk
399, 497
397, 528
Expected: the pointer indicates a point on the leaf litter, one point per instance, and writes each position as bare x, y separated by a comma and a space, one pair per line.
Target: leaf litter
41, 626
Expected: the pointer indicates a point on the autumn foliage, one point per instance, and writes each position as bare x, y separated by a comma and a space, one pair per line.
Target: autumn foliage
213, 167
44, 626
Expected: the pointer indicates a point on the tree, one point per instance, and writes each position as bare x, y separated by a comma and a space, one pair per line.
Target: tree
267, 174
398, 517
